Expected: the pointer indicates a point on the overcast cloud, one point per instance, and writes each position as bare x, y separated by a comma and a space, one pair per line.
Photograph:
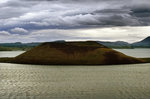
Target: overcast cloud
26, 18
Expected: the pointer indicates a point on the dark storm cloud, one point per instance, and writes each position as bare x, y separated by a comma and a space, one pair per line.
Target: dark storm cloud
65, 14
34, 20
141, 12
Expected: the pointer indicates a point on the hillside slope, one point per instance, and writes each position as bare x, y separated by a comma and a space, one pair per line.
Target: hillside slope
144, 43
117, 44
74, 53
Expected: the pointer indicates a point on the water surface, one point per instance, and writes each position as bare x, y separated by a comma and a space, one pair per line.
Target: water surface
10, 53
74, 82
19, 81
137, 52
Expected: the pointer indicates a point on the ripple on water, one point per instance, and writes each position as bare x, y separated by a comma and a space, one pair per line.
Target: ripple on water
74, 82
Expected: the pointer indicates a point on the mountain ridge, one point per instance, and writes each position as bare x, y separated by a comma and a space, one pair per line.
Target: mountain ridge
145, 43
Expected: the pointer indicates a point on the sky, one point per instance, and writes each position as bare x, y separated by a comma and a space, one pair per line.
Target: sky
74, 20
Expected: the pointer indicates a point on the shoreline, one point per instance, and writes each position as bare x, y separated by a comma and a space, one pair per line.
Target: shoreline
10, 60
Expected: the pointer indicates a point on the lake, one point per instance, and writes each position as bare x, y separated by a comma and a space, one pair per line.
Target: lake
74, 82
10, 53
137, 52
18, 81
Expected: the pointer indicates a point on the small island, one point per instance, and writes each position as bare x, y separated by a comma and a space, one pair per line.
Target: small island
72, 53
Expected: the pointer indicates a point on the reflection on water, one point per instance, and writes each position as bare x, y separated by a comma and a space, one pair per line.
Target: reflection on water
137, 52
10, 53
74, 82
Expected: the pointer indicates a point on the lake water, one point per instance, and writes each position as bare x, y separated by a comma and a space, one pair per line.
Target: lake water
137, 52
10, 53
74, 82
19, 81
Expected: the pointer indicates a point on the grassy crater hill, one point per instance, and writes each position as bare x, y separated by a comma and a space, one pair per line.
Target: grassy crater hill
73, 53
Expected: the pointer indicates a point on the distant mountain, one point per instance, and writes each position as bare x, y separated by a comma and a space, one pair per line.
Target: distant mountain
146, 40
144, 43
17, 46
74, 53
117, 44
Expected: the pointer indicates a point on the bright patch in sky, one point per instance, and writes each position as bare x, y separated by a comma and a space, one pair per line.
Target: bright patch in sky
3, 1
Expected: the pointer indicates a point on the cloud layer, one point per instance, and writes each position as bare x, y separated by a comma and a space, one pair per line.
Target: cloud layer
23, 17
